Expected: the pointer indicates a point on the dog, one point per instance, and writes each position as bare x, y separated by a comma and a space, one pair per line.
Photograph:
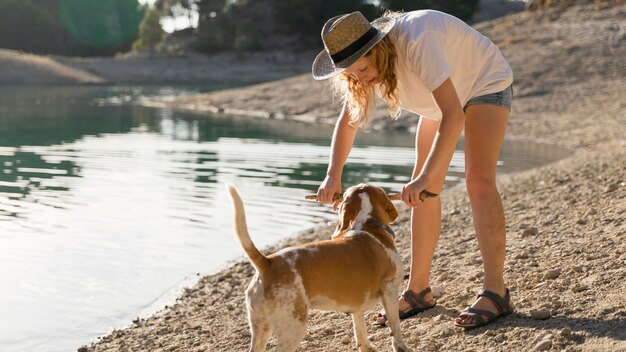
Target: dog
357, 268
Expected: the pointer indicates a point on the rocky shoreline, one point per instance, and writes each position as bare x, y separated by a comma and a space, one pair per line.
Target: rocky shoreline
566, 222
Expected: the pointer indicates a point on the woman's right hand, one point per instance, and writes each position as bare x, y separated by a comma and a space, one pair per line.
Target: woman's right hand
329, 187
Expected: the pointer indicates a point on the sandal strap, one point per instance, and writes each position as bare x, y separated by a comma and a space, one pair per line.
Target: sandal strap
478, 315
417, 299
502, 304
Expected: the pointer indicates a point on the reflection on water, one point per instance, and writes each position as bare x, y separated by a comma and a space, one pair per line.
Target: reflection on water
106, 207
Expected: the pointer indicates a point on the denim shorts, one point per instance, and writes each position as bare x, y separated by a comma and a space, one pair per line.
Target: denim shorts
502, 98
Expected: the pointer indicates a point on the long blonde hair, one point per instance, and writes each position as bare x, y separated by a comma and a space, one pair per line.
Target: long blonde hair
360, 98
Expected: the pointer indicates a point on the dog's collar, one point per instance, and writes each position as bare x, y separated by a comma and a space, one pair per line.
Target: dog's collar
382, 226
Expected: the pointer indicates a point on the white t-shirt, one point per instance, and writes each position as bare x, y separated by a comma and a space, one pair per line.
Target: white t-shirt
431, 47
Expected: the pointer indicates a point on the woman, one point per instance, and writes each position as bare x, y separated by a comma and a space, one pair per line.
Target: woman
432, 64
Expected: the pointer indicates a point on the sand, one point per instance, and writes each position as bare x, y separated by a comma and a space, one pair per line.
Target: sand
566, 248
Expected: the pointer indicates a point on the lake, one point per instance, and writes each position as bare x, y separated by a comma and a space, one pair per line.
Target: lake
108, 209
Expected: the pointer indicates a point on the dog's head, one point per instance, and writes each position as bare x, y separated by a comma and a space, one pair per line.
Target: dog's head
363, 203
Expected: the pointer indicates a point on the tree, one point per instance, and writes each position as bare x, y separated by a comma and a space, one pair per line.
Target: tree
215, 26
258, 24
306, 17
150, 31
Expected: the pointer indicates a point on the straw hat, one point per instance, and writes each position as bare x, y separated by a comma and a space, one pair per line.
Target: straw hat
346, 39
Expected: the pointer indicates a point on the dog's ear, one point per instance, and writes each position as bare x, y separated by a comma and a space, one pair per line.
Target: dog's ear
391, 210
386, 204
348, 209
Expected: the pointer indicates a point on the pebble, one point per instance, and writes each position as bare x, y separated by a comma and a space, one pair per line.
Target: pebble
612, 187
566, 332
345, 340
532, 231
438, 291
540, 314
446, 333
590, 212
552, 274
476, 260
443, 276
544, 344
579, 288
607, 311
164, 331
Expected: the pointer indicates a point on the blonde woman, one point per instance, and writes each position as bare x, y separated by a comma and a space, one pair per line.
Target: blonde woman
432, 64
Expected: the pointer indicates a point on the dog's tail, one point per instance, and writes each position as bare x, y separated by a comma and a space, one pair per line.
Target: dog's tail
259, 261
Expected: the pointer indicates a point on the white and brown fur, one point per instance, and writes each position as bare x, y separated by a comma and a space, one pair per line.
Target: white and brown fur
350, 273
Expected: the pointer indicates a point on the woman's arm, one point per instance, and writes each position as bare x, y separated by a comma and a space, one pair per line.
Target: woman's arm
343, 138
444, 144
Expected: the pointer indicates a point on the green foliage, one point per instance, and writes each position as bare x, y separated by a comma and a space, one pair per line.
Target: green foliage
69, 27
101, 24
150, 31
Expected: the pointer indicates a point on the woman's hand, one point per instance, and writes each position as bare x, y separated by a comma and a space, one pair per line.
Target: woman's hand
328, 189
411, 191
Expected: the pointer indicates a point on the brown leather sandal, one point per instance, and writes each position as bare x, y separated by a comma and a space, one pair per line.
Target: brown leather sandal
416, 305
503, 305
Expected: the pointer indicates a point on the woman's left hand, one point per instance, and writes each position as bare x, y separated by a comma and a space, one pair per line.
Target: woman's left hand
412, 190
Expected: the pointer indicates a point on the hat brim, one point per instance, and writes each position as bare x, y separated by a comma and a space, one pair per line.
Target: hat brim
323, 65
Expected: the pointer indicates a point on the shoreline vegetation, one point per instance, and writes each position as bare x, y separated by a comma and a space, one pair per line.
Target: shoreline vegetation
566, 221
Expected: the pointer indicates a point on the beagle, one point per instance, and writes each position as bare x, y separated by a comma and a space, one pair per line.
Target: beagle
350, 273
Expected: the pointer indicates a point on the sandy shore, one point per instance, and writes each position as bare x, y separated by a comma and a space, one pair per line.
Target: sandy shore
185, 68
566, 249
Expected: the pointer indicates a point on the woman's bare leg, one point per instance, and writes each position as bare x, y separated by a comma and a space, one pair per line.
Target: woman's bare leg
485, 127
425, 217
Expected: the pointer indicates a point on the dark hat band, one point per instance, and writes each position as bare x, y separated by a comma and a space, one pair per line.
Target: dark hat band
354, 47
